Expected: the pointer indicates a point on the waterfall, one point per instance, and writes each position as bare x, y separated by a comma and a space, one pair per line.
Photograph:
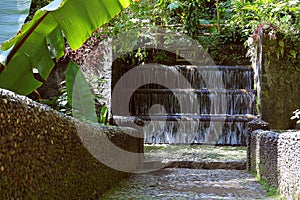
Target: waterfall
193, 104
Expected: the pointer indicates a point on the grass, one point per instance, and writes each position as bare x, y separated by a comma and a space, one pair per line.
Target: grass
271, 191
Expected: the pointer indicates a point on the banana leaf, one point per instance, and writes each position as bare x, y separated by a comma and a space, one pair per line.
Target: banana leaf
41, 40
79, 95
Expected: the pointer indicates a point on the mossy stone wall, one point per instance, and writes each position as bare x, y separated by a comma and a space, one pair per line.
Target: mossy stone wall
280, 82
42, 156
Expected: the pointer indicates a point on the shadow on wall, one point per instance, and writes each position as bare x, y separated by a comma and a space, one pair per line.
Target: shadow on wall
280, 83
42, 156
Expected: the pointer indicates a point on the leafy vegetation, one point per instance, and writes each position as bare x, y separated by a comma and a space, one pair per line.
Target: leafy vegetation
59, 103
204, 21
226, 22
36, 5
183, 15
79, 95
238, 19
77, 98
272, 192
296, 116
279, 19
43, 39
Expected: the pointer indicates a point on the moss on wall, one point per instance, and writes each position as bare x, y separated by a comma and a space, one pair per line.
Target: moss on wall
42, 156
280, 83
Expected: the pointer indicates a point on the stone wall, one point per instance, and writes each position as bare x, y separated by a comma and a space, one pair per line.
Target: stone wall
275, 157
264, 155
277, 81
42, 155
98, 65
289, 164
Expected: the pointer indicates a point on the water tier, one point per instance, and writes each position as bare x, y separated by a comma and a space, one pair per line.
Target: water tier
190, 104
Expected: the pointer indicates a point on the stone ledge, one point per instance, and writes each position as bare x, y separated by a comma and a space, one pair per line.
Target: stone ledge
239, 165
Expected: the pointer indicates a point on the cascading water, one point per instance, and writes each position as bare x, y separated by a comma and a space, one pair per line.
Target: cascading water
212, 107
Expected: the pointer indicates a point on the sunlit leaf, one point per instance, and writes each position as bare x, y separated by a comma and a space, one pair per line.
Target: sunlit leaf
293, 53
41, 40
79, 94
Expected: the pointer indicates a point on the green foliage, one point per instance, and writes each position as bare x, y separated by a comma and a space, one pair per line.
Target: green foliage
77, 98
283, 17
272, 192
59, 103
103, 116
194, 17
177, 15
181, 16
36, 5
296, 116
42, 39
79, 95
136, 16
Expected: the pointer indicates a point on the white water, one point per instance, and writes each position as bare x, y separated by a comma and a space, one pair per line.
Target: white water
220, 101
188, 132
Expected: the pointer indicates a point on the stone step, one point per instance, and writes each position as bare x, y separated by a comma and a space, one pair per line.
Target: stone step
238, 165
213, 68
217, 67
195, 91
220, 118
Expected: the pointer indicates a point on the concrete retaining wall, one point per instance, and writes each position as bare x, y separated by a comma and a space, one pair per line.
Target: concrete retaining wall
42, 156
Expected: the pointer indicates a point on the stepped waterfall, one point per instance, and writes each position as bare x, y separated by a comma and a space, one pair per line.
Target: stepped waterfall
189, 104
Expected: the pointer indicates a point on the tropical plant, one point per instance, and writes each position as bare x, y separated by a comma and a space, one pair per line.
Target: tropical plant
173, 14
77, 98
283, 16
59, 103
36, 5
198, 19
43, 39
102, 117
79, 95
296, 116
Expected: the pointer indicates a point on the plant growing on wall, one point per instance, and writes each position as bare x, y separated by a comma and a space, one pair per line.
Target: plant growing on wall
278, 20
43, 39
284, 16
